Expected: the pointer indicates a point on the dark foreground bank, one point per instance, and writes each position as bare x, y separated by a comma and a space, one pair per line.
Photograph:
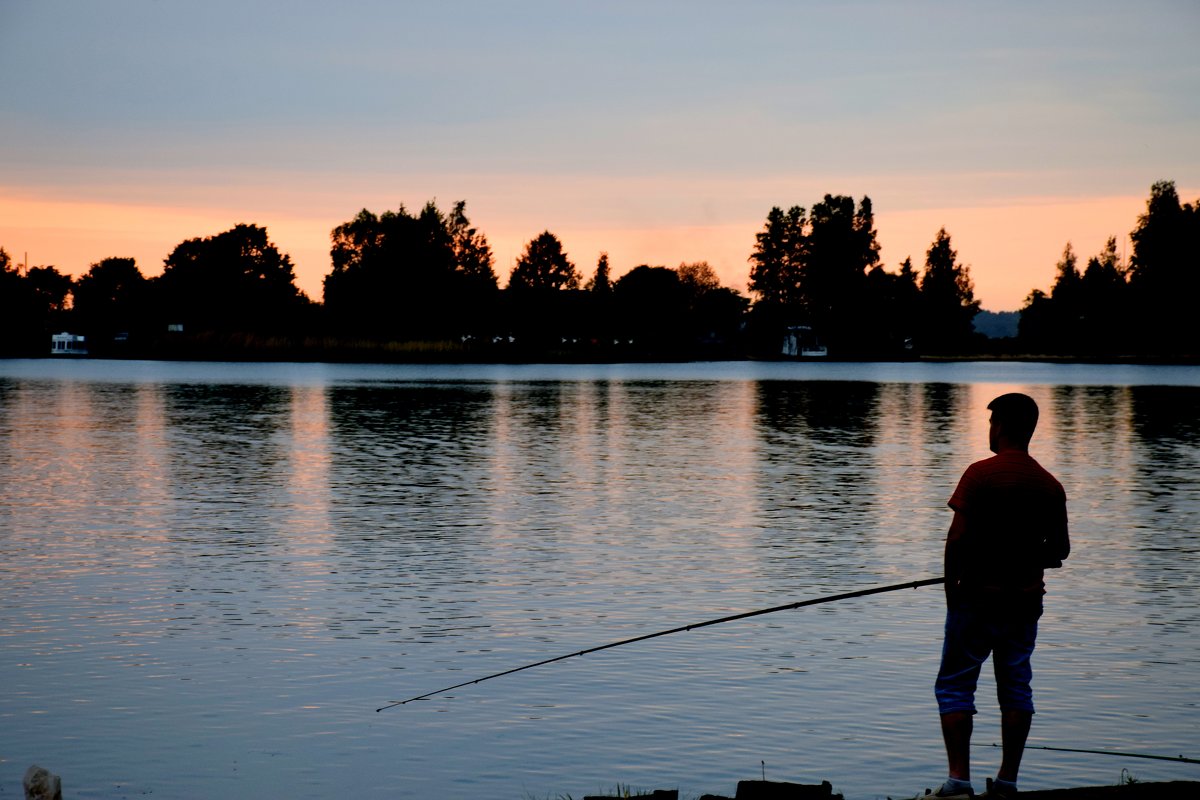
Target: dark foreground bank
776, 790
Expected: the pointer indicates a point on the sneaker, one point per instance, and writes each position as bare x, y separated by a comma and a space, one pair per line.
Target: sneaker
946, 793
996, 791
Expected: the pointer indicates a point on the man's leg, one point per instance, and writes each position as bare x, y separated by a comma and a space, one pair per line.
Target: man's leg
1013, 677
1014, 728
963, 652
956, 731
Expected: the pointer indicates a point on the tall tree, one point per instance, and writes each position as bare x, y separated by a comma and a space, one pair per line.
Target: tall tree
1035, 326
714, 312
909, 291
112, 297
652, 308
51, 289
400, 275
698, 277
1050, 323
237, 280
601, 281
30, 305
1104, 303
473, 290
813, 270
891, 309
1164, 276
595, 309
1085, 313
543, 267
545, 310
367, 254
777, 260
775, 266
15, 308
472, 253
948, 303
1067, 278
841, 248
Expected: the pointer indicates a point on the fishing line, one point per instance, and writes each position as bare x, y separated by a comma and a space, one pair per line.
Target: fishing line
744, 615
1115, 753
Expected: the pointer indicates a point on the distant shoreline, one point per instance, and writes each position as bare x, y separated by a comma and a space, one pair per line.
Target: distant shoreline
386, 356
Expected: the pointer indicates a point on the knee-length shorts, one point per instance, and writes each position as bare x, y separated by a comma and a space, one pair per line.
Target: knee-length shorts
972, 635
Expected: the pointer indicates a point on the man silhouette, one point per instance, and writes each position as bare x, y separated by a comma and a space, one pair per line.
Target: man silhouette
1010, 523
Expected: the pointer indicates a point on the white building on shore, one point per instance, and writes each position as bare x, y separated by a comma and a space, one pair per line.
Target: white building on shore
67, 344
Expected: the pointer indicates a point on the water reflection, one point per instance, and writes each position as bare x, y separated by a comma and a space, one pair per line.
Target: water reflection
1090, 441
1166, 419
228, 463
815, 466
408, 500
1165, 423
308, 483
411, 457
947, 419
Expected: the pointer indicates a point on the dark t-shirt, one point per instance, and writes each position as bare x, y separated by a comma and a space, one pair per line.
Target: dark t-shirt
1016, 525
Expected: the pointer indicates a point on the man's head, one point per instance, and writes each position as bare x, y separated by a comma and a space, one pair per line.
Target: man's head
1014, 416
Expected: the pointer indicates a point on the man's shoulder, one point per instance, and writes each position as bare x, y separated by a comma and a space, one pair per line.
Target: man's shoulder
1012, 466
988, 466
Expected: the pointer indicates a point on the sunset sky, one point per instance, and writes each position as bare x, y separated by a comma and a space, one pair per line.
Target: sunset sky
659, 132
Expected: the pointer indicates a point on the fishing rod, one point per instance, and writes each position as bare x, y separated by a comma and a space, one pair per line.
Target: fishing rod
1116, 753
833, 598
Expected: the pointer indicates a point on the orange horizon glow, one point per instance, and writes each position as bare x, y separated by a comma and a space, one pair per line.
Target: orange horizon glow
1011, 247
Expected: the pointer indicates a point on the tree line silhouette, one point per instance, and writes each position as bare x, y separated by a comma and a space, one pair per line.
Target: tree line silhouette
423, 285
1146, 306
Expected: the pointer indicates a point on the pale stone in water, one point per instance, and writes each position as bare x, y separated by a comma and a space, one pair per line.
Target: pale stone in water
41, 784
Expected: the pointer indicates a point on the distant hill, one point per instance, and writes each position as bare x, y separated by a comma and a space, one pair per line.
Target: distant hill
997, 324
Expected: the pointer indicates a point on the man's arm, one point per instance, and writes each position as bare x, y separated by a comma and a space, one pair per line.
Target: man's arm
953, 561
1058, 542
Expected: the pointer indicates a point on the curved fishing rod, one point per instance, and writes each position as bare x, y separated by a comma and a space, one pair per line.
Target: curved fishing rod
1116, 753
833, 598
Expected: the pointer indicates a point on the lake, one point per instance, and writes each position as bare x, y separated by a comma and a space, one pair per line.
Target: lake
213, 574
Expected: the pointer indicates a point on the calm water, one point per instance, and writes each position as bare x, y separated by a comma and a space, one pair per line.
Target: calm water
212, 574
